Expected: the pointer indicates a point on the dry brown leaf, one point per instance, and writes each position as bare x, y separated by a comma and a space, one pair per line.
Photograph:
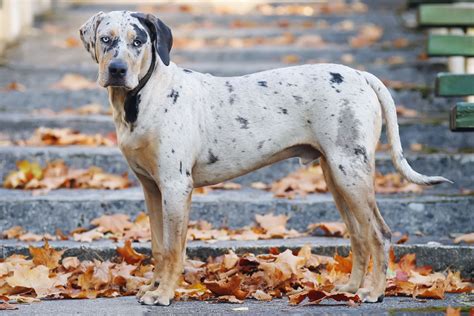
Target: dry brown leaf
43, 136
227, 287
70, 263
14, 86
57, 175
88, 236
333, 229
12, 233
46, 256
116, 223
129, 254
368, 35
406, 112
290, 59
467, 238
7, 306
451, 311
74, 82
403, 239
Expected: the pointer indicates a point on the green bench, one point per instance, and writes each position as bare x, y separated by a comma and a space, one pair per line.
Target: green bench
460, 83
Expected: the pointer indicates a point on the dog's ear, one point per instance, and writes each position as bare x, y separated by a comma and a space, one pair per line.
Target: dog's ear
160, 33
88, 33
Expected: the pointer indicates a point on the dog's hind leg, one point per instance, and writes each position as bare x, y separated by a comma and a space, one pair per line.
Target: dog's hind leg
352, 177
360, 254
155, 213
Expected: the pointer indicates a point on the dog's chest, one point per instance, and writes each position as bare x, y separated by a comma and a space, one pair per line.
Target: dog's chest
140, 150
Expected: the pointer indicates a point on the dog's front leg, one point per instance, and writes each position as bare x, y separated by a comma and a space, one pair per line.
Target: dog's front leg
176, 205
153, 203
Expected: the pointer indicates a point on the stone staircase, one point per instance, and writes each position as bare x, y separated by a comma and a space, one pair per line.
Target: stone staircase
435, 214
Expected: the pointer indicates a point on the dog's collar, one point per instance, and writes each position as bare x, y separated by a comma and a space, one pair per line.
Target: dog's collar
132, 99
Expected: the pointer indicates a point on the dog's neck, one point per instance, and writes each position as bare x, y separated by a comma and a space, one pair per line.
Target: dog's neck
126, 103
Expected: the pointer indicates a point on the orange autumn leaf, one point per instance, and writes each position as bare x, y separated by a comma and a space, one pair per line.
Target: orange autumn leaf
229, 286
46, 255
116, 223
129, 254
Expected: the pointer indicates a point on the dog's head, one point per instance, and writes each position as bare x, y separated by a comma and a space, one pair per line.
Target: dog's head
125, 45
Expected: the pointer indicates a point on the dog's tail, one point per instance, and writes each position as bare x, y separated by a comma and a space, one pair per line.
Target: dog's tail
390, 114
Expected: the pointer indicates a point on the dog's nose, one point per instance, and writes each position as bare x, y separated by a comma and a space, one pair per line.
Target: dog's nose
118, 68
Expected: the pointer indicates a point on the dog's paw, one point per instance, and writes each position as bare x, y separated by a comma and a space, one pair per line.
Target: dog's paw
157, 297
368, 296
348, 288
150, 286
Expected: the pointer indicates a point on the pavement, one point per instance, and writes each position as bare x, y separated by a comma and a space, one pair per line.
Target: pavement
129, 306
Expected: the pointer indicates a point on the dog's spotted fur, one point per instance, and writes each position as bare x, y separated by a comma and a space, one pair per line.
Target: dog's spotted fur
180, 129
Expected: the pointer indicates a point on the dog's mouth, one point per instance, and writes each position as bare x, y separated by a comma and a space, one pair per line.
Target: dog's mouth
117, 83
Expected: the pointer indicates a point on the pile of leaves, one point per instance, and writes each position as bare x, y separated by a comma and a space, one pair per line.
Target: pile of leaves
119, 227
44, 136
298, 275
311, 180
56, 175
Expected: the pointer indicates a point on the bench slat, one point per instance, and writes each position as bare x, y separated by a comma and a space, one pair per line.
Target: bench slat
446, 15
462, 117
450, 45
415, 3
454, 85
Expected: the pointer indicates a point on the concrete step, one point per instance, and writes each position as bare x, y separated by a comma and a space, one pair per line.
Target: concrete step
432, 132
439, 255
430, 214
456, 167
233, 62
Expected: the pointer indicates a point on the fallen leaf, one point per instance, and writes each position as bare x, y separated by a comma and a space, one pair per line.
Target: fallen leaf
46, 256
129, 254
467, 238
74, 82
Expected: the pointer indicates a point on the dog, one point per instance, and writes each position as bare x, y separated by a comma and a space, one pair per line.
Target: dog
180, 129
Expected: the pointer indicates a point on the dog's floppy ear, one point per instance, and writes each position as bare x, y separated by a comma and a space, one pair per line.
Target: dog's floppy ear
88, 33
160, 33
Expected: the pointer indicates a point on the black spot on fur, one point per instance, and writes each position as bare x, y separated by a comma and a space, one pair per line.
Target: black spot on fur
308, 121
116, 53
212, 158
284, 111
338, 91
263, 84
230, 88
187, 71
172, 151
336, 78
360, 150
131, 109
298, 98
181, 167
174, 95
142, 35
244, 123
188, 173
342, 170
260, 144
112, 45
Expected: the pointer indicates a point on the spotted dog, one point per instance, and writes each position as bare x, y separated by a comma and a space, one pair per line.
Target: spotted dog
180, 129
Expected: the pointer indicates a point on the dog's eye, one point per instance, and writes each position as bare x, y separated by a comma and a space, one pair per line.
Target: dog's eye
105, 39
137, 43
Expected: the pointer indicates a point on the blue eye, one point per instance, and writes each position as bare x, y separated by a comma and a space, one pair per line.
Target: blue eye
137, 43
105, 39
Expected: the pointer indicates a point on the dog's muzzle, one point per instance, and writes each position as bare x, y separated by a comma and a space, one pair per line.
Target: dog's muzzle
117, 73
